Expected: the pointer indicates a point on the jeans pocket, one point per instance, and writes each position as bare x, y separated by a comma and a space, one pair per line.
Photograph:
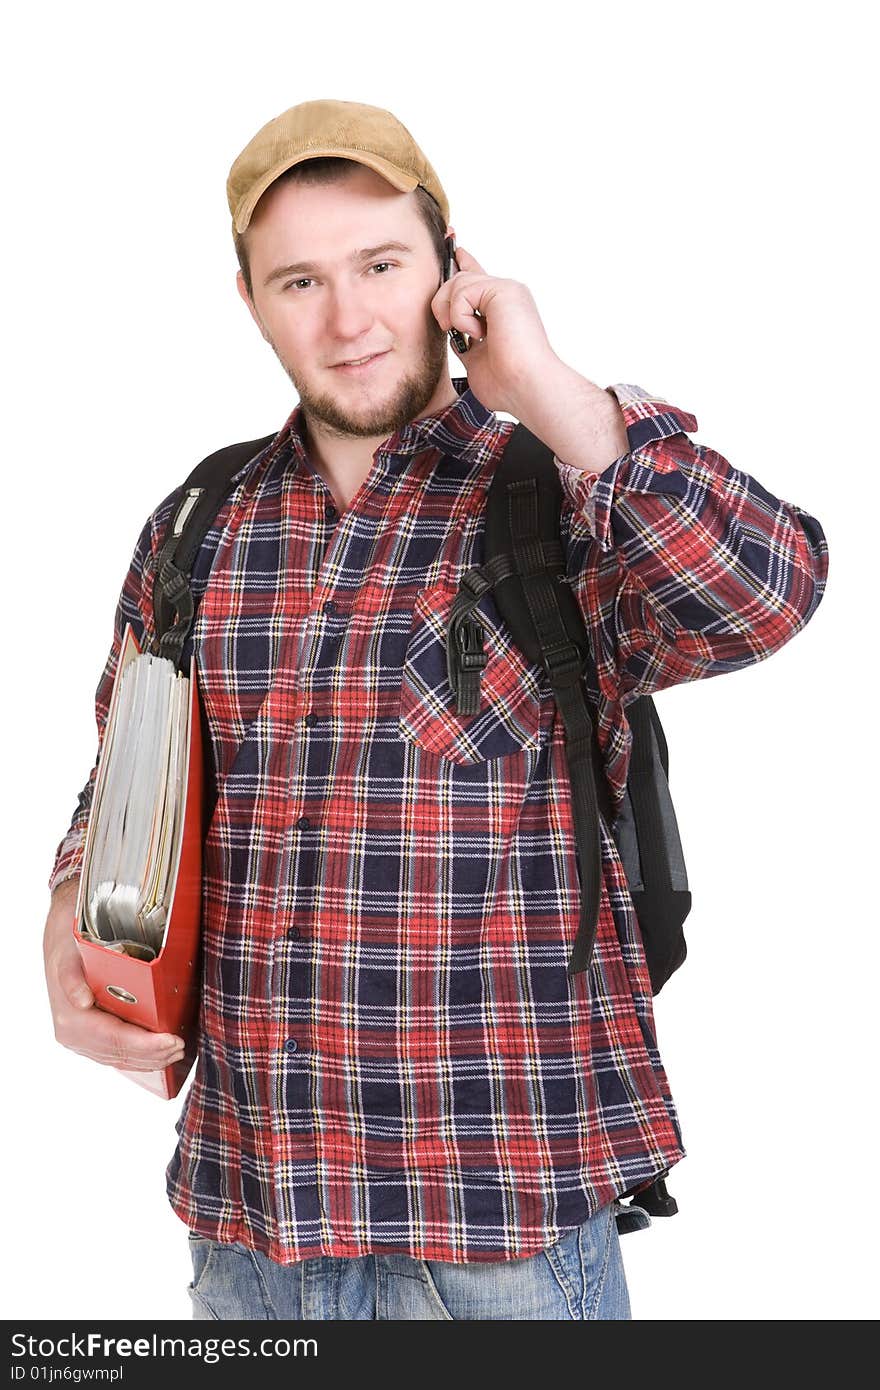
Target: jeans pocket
226, 1281
587, 1263
200, 1249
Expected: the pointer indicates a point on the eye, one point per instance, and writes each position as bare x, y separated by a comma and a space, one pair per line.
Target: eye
306, 280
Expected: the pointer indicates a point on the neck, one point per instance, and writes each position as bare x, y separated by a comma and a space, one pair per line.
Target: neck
345, 460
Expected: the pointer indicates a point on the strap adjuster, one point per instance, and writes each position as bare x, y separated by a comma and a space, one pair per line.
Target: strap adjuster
563, 661
465, 660
469, 646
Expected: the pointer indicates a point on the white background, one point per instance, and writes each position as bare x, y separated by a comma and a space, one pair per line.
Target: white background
685, 191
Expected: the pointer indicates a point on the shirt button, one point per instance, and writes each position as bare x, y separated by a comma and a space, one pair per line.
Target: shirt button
330, 606
311, 718
330, 511
293, 933
290, 1045
304, 823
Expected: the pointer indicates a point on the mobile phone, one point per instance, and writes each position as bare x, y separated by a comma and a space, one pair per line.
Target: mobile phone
450, 266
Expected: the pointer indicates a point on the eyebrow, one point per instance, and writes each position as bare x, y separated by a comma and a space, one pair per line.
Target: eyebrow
300, 267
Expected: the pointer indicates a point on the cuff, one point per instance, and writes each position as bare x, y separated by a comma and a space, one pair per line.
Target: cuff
68, 859
647, 419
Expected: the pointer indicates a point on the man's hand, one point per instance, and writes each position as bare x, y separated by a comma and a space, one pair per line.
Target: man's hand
509, 345
512, 367
79, 1023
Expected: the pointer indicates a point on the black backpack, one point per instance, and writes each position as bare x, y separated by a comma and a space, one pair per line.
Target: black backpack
525, 567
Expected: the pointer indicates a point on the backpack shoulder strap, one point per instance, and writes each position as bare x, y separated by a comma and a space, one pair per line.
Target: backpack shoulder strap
525, 565
201, 497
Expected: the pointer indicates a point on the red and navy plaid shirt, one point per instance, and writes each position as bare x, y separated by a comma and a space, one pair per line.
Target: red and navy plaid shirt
393, 1057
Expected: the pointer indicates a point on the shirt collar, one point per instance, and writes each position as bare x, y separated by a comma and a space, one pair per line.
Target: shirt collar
460, 429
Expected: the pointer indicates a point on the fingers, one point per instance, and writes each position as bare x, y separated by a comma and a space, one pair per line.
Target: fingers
465, 319
468, 262
115, 1043
458, 313
112, 1042
82, 1025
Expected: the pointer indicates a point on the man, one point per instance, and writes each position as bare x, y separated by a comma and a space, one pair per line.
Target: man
404, 1107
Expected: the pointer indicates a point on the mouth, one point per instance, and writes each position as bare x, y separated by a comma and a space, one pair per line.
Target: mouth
360, 368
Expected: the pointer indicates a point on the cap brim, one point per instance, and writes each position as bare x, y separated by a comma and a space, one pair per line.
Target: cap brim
244, 211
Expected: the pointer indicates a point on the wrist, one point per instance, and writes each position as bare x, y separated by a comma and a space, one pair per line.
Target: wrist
581, 422
545, 379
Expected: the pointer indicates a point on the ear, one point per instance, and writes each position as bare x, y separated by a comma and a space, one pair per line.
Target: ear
242, 289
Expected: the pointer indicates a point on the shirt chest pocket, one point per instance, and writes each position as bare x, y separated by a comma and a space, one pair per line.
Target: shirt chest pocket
516, 702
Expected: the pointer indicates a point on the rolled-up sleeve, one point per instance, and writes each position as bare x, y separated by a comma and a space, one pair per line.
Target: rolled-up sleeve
713, 572
134, 606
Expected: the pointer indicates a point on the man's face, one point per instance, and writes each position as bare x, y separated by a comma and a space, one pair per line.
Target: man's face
338, 309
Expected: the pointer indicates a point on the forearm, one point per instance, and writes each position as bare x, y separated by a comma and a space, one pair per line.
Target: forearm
66, 891
582, 423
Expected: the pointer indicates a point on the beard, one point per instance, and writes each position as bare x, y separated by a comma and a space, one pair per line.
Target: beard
370, 419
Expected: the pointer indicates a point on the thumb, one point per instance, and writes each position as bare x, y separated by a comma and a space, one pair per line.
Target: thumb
81, 995
73, 982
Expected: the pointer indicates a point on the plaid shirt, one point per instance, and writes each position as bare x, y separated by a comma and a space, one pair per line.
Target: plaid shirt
393, 1057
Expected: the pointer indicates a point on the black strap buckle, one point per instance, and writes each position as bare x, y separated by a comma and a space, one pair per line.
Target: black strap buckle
465, 660
655, 1199
563, 661
469, 646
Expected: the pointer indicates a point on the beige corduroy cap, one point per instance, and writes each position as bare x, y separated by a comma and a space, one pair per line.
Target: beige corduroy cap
344, 129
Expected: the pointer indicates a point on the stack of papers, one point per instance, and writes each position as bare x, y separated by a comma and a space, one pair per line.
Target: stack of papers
136, 822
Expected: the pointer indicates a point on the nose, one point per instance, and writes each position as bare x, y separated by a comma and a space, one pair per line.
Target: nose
349, 317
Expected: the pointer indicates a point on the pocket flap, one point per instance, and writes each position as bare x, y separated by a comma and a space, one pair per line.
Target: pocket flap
516, 701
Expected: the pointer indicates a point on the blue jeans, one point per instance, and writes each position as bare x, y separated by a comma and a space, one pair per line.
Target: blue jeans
580, 1277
